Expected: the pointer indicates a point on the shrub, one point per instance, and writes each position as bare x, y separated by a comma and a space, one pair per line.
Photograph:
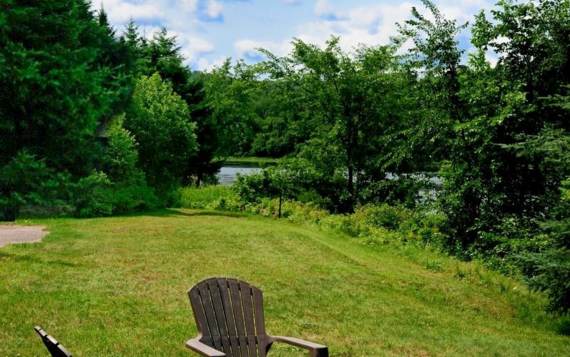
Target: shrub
24, 180
93, 196
252, 188
133, 197
121, 155
403, 190
384, 215
563, 327
292, 179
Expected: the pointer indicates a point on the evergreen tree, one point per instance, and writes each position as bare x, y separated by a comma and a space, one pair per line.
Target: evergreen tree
57, 84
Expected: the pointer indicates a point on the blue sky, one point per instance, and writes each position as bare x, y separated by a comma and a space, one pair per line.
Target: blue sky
211, 30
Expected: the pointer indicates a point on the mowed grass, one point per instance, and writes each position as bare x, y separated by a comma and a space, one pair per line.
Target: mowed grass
117, 287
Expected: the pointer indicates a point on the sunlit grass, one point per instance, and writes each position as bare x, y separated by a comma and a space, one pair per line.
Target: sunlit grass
201, 197
117, 287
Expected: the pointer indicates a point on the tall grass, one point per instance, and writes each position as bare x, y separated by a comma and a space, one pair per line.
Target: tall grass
205, 197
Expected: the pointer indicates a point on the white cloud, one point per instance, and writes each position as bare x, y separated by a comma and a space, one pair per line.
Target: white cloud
375, 24
248, 48
204, 64
194, 47
120, 11
214, 9
367, 25
325, 10
189, 5
356, 24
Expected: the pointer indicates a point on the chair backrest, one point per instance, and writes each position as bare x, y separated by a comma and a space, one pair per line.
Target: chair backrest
54, 347
229, 316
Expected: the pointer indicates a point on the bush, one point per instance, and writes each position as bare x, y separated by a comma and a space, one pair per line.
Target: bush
26, 180
133, 197
563, 327
293, 180
252, 188
549, 271
121, 155
93, 196
402, 190
384, 215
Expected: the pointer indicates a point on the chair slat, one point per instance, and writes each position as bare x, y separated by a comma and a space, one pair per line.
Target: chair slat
230, 319
238, 315
210, 316
220, 315
259, 322
247, 302
199, 314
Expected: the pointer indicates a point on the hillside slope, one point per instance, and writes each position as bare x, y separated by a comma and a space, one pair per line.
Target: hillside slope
117, 287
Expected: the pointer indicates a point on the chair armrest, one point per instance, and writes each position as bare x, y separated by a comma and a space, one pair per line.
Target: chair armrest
54, 347
203, 349
315, 349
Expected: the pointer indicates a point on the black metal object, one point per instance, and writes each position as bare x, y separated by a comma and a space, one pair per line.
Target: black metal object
54, 347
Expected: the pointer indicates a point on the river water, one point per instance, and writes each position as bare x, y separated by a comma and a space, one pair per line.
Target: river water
228, 174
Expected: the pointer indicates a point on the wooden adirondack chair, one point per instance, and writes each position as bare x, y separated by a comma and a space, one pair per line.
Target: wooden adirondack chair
229, 317
54, 347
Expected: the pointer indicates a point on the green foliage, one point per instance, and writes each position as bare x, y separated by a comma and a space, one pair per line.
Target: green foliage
388, 224
27, 181
92, 196
211, 197
159, 119
96, 195
359, 129
351, 100
548, 269
564, 326
121, 155
58, 82
292, 179
162, 55
133, 196
232, 92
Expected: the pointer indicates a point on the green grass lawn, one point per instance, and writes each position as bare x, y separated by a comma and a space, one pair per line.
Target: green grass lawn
117, 287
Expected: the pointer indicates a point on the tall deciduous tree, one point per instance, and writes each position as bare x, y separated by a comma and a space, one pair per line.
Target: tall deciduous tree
353, 101
158, 118
162, 55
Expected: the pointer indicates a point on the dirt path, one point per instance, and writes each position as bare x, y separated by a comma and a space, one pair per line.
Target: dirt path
10, 234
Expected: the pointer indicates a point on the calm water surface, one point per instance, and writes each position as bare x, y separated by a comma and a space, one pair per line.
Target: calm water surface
228, 174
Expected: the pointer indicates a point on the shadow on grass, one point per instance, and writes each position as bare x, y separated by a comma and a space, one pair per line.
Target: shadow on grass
172, 212
163, 212
34, 260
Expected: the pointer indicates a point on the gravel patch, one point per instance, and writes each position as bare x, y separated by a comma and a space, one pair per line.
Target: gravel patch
14, 234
